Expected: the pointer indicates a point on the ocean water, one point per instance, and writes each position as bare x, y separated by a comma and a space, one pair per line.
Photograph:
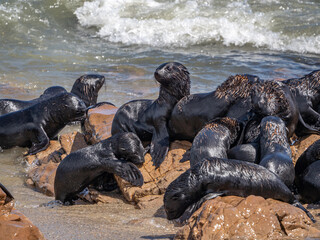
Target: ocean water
53, 42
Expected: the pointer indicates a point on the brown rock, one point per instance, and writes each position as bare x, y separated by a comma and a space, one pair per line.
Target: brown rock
157, 180
301, 145
71, 142
98, 123
43, 176
13, 224
253, 217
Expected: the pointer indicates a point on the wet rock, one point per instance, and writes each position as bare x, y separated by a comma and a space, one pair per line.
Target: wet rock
301, 145
98, 123
253, 217
43, 165
157, 180
13, 224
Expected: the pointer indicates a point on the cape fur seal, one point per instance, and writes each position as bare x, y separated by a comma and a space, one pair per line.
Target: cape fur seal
147, 118
33, 126
307, 171
114, 155
231, 99
214, 177
306, 91
275, 149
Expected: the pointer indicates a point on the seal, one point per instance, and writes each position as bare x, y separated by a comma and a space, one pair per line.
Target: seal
214, 177
147, 118
306, 91
249, 152
215, 139
12, 105
87, 88
33, 126
191, 113
275, 149
114, 155
307, 171
272, 98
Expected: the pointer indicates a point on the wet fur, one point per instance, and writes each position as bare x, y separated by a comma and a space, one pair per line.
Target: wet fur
33, 126
114, 155
147, 118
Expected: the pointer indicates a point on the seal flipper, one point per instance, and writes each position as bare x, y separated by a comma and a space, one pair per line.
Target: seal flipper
159, 146
306, 128
6, 191
297, 204
129, 172
195, 206
40, 142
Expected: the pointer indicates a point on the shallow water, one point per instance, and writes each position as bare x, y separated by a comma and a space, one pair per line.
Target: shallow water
46, 43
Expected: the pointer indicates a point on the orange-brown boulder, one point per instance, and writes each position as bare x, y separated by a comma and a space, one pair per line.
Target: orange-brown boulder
157, 180
44, 164
301, 145
98, 123
13, 224
248, 218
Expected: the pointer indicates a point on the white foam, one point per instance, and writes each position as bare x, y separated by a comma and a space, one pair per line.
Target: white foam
185, 23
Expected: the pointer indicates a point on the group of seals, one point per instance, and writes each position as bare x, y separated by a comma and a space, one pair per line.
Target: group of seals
85, 87
147, 118
115, 155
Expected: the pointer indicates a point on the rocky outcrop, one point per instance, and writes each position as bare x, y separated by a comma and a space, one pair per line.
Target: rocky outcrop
248, 218
98, 123
156, 180
13, 224
43, 165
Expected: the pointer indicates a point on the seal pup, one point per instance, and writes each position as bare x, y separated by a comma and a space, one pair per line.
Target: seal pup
191, 113
306, 91
87, 88
275, 149
33, 126
215, 138
12, 105
114, 155
214, 177
148, 118
307, 171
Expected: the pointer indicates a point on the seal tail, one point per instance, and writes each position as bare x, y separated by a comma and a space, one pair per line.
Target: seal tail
297, 204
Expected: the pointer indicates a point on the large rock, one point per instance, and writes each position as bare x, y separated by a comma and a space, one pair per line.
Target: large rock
156, 180
43, 165
98, 123
13, 224
248, 218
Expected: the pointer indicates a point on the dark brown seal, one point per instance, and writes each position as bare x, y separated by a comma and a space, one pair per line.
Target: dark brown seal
191, 113
12, 105
307, 171
33, 126
216, 176
275, 149
148, 118
87, 88
215, 139
114, 155
306, 91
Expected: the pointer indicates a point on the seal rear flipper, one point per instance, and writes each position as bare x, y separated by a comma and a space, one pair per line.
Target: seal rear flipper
304, 129
40, 141
297, 204
129, 172
159, 146
195, 206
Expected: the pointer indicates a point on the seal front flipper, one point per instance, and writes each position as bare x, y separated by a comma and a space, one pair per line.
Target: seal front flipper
159, 146
129, 172
195, 206
40, 141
